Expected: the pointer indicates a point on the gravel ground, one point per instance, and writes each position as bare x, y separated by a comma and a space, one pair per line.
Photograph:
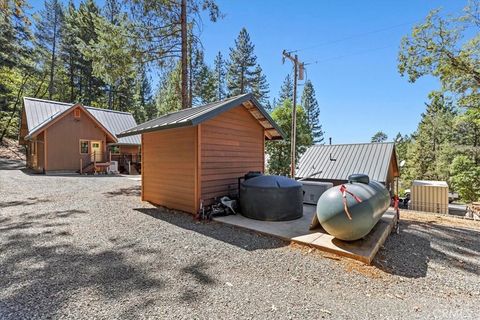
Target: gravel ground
87, 247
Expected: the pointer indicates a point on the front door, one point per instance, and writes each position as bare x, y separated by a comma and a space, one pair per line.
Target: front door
96, 147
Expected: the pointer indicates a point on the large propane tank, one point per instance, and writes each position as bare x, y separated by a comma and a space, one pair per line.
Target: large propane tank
350, 211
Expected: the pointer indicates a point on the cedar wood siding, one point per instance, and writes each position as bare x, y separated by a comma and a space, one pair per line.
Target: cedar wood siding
63, 141
169, 168
128, 149
40, 154
231, 145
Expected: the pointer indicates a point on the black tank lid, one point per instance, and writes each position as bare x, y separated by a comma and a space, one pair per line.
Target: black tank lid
271, 182
359, 177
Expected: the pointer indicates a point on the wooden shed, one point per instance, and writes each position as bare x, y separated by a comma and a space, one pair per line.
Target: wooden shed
195, 155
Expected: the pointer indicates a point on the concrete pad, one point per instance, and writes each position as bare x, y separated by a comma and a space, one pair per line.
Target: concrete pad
298, 231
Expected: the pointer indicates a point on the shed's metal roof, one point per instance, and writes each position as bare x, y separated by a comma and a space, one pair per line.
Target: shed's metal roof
197, 115
39, 112
430, 183
339, 161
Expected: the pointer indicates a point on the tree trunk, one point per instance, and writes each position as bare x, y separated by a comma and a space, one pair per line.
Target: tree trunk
72, 82
190, 75
12, 114
52, 66
183, 22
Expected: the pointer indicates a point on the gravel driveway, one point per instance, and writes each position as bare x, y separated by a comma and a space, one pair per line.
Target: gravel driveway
87, 247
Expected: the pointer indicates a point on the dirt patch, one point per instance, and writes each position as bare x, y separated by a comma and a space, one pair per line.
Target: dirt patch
349, 265
431, 218
10, 149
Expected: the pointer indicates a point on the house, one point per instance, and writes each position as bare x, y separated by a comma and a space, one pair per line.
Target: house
66, 137
195, 155
336, 162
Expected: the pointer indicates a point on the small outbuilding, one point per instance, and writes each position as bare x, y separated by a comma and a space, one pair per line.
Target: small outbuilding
192, 156
429, 196
334, 163
71, 137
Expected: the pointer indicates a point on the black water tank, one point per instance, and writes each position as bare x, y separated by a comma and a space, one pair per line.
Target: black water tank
271, 198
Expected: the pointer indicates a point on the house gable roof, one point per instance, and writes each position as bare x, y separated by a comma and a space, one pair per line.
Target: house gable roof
39, 113
196, 115
337, 162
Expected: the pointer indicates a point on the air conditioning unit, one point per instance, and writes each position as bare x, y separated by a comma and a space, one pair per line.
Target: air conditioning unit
312, 190
113, 168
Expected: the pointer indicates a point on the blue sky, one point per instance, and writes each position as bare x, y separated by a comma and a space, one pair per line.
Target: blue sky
355, 46
356, 80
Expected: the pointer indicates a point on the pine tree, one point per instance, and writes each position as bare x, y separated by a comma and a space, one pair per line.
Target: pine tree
219, 74
431, 153
90, 88
260, 85
168, 97
312, 110
112, 61
69, 52
286, 90
240, 70
202, 79
379, 136
112, 10
48, 34
279, 151
14, 36
144, 97
16, 64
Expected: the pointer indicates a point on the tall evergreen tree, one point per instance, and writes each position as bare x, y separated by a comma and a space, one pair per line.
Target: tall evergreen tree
90, 87
431, 152
112, 10
16, 64
312, 110
286, 90
203, 80
15, 36
168, 97
69, 52
220, 74
112, 60
260, 85
279, 151
48, 34
144, 96
240, 70
379, 136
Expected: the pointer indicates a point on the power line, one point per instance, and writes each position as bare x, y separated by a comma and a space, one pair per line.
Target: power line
352, 37
349, 55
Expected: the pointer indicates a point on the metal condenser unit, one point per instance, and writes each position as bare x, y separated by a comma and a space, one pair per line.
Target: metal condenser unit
312, 190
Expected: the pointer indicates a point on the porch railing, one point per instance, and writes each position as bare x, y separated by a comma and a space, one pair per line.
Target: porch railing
91, 159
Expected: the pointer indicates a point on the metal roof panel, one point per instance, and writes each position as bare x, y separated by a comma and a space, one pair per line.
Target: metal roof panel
196, 115
39, 112
337, 162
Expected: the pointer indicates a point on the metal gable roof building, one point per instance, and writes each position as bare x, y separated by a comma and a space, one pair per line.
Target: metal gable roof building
39, 112
337, 162
197, 115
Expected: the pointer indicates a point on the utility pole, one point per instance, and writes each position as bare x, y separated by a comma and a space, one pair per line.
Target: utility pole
297, 66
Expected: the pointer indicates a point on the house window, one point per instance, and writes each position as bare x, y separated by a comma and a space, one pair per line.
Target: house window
84, 146
115, 149
76, 113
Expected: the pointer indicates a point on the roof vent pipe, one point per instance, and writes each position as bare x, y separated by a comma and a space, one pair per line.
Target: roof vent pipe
330, 139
